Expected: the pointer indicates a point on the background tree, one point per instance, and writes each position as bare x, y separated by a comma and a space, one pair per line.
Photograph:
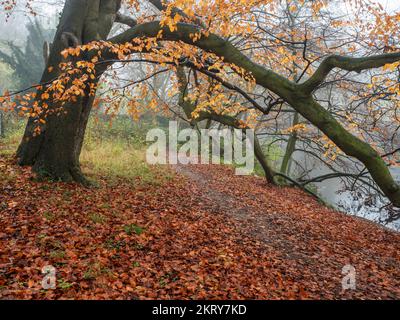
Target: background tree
28, 62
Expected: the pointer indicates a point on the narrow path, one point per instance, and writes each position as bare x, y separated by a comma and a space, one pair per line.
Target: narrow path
315, 242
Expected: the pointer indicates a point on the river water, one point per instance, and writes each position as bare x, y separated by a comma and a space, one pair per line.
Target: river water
331, 192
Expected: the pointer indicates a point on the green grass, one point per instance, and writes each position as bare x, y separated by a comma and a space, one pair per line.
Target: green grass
117, 150
13, 135
133, 228
63, 284
97, 218
114, 159
114, 150
48, 216
57, 254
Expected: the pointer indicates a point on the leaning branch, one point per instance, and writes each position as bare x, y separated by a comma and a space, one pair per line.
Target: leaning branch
124, 19
214, 44
348, 64
296, 95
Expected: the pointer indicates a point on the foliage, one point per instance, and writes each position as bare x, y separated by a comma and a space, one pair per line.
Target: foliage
285, 44
197, 239
145, 232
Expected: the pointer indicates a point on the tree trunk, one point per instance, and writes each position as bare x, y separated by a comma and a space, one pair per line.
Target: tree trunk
2, 129
188, 107
290, 147
55, 152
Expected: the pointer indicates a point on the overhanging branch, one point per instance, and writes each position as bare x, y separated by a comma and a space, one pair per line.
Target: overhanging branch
348, 64
124, 19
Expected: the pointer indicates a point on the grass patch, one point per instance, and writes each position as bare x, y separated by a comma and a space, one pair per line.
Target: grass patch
48, 216
133, 228
113, 152
64, 285
95, 270
116, 150
57, 255
97, 218
14, 133
116, 160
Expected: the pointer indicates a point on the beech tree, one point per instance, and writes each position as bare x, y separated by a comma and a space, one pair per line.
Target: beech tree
28, 61
205, 37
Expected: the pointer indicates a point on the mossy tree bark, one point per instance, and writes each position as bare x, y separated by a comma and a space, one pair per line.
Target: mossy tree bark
55, 152
57, 149
290, 147
2, 129
188, 107
299, 96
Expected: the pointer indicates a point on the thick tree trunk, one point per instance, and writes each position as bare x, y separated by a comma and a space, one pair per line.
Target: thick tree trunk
55, 152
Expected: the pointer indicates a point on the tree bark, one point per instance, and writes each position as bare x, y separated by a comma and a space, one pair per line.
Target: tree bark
188, 107
299, 96
2, 129
290, 148
54, 153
